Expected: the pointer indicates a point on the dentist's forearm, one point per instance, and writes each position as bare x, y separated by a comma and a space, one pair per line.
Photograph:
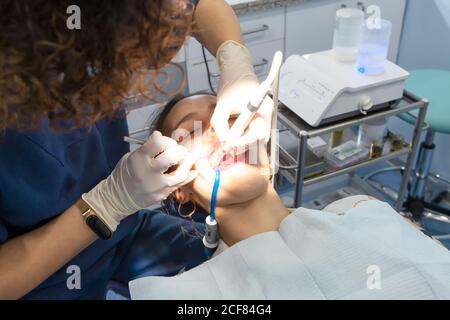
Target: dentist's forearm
28, 260
215, 23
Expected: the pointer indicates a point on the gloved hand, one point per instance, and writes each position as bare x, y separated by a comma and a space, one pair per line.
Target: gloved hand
138, 181
237, 83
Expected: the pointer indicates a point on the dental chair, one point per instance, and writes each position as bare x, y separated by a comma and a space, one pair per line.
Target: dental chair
319, 255
434, 85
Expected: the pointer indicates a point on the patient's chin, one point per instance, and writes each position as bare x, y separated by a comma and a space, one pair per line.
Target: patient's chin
239, 184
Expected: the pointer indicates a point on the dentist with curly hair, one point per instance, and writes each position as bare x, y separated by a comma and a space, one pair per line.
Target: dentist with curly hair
71, 194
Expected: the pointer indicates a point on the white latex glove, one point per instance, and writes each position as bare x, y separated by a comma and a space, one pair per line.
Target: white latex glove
237, 83
138, 181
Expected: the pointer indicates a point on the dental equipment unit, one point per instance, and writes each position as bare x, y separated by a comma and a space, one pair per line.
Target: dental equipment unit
247, 115
320, 89
211, 237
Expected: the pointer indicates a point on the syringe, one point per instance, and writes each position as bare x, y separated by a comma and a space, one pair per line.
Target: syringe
248, 113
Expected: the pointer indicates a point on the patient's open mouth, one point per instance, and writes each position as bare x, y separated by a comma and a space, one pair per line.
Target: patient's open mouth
231, 159
236, 156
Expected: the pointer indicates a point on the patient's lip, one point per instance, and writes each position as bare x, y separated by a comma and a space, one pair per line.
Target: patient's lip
231, 160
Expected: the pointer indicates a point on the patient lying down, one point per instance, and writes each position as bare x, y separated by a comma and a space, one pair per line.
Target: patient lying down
246, 203
367, 251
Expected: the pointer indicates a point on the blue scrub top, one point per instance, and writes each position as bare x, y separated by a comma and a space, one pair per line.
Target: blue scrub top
42, 174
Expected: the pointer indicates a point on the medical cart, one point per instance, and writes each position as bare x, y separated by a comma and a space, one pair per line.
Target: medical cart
295, 166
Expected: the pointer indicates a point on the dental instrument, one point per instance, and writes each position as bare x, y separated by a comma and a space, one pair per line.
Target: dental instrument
211, 237
133, 140
247, 115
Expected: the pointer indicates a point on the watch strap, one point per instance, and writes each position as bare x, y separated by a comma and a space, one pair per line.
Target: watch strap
94, 222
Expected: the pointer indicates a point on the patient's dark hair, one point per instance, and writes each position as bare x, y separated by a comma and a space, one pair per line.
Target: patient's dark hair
157, 119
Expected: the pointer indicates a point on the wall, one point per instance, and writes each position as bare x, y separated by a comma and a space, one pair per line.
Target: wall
425, 43
426, 35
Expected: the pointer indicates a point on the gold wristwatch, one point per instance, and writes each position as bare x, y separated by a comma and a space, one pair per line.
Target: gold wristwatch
94, 222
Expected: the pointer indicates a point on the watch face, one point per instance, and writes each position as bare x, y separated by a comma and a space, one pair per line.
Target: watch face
98, 227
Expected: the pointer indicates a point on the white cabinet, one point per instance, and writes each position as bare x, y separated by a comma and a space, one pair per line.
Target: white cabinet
310, 25
256, 28
262, 54
263, 35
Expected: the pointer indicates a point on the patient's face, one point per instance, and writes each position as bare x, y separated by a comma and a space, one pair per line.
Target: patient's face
243, 177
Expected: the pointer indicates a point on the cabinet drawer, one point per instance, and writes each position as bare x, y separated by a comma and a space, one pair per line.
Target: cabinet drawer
262, 58
256, 28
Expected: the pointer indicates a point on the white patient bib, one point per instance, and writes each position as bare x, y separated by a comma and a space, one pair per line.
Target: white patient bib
369, 252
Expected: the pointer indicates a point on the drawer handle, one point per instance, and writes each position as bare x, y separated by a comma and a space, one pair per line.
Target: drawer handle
263, 28
361, 6
262, 63
202, 62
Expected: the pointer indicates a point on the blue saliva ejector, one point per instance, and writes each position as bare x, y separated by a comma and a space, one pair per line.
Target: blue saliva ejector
211, 237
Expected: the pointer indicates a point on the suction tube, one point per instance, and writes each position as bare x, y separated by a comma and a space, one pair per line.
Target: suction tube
211, 238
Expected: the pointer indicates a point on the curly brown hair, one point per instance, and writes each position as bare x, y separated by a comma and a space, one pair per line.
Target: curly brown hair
49, 71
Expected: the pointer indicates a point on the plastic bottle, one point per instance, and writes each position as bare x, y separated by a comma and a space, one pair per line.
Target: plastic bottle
374, 47
347, 33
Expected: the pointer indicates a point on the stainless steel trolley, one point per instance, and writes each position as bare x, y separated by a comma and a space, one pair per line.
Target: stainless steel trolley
303, 132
